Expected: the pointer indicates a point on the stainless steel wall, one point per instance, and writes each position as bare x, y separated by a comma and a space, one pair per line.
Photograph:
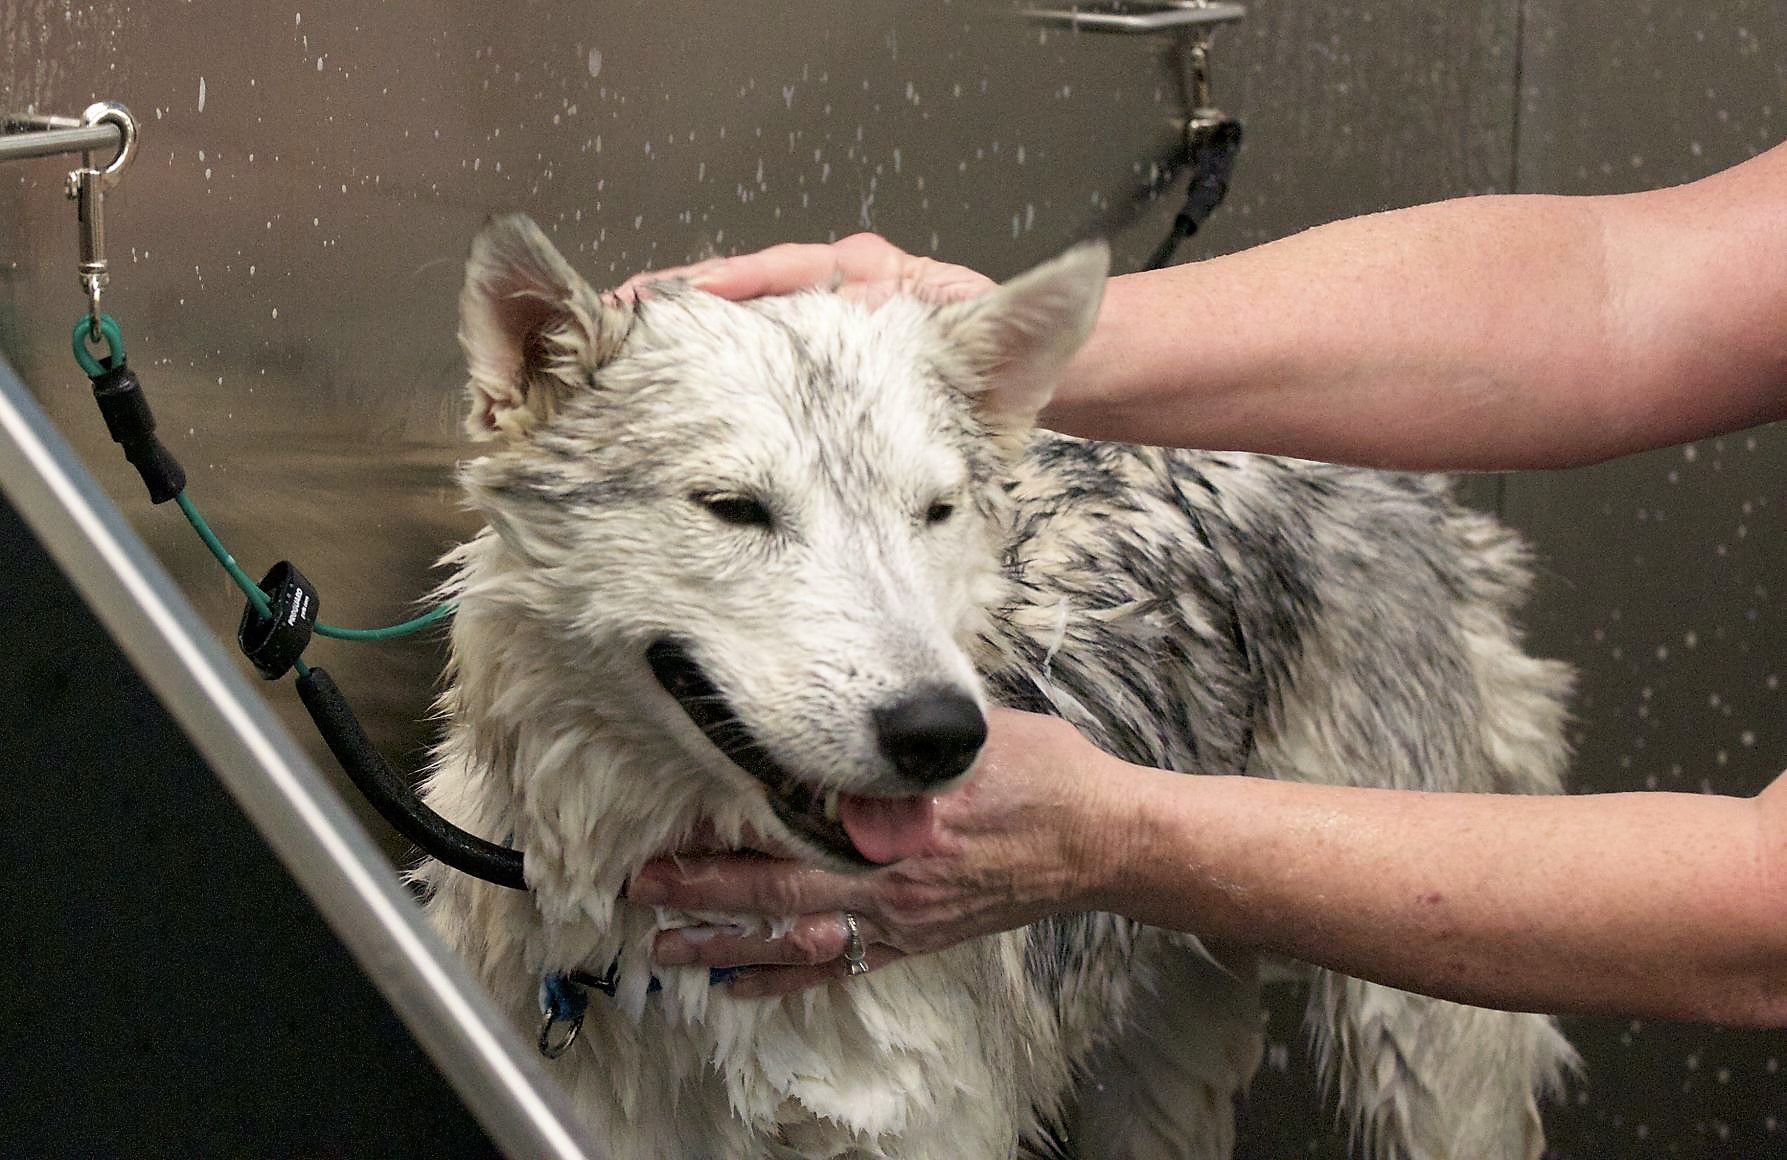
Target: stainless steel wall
1666, 574
288, 248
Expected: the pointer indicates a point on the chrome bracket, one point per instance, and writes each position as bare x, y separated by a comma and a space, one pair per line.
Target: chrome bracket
105, 124
1189, 24
1140, 17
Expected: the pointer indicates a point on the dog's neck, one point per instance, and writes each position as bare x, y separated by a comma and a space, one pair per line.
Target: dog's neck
589, 786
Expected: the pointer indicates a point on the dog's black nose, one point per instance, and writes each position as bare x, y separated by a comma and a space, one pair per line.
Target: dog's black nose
932, 735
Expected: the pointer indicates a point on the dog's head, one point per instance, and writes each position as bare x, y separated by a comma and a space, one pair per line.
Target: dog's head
787, 512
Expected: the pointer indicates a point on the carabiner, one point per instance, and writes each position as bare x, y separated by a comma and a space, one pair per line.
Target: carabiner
87, 186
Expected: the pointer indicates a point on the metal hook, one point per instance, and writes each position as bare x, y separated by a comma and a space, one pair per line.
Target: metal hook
1192, 52
563, 1002
87, 186
554, 1046
84, 186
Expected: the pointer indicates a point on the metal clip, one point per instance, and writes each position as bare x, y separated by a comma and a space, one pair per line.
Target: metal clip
1191, 56
1194, 69
563, 1003
87, 186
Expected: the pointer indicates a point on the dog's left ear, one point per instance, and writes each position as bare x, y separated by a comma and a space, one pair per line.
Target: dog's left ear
532, 329
1020, 336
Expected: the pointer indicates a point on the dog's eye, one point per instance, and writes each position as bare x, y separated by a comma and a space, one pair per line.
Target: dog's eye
736, 509
939, 511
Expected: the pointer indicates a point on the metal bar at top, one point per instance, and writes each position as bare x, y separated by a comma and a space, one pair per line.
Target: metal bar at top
15, 145
1138, 16
297, 812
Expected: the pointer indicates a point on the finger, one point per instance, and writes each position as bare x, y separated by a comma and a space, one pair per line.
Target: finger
768, 886
814, 938
705, 839
780, 269
939, 282
771, 982
640, 283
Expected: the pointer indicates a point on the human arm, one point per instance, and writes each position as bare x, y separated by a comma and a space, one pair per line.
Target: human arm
1662, 905
1482, 333
1490, 332
1642, 904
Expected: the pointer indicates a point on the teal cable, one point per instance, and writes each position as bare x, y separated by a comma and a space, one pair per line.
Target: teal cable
259, 599
94, 369
249, 588
390, 632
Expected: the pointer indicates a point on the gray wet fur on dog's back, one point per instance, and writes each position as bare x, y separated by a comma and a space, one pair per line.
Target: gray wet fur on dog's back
1245, 614
1201, 583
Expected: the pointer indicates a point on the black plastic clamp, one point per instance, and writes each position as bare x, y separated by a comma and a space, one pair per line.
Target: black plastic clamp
273, 641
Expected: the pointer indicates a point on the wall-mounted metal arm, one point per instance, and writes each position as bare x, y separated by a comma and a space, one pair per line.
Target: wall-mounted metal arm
301, 817
1138, 17
56, 136
1208, 138
36, 136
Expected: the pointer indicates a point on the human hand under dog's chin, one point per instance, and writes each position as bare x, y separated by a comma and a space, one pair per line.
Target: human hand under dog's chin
865, 267
1035, 829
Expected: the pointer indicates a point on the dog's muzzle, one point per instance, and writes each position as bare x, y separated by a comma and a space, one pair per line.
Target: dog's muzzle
929, 737
796, 805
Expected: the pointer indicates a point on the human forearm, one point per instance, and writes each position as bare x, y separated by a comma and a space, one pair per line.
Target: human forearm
1397, 340
1488, 332
1658, 904
1667, 905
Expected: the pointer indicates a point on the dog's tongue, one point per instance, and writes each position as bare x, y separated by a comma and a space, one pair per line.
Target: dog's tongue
886, 829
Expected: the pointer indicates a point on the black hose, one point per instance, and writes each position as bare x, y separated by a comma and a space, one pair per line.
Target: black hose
1210, 155
393, 797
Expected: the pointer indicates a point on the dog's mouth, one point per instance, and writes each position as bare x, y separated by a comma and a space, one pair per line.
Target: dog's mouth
819, 817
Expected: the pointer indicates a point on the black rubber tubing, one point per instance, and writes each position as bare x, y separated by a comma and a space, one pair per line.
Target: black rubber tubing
132, 425
393, 797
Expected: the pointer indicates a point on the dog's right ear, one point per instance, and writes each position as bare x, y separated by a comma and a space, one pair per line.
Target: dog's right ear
532, 329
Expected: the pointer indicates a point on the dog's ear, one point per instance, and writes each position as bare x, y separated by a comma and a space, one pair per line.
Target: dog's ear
1019, 337
531, 328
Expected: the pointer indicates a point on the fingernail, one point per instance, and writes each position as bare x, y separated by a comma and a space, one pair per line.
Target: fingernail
648, 891
673, 952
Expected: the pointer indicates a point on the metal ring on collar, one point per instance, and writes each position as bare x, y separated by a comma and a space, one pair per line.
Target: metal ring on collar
855, 954
552, 1046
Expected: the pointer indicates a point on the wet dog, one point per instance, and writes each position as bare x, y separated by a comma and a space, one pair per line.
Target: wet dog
763, 564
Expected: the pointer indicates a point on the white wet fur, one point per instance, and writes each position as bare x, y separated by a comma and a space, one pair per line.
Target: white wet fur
1110, 585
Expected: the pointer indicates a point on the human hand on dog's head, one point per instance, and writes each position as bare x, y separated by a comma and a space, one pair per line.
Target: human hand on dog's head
1034, 830
865, 267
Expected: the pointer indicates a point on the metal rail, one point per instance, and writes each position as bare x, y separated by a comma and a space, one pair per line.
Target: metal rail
1139, 16
28, 137
297, 812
